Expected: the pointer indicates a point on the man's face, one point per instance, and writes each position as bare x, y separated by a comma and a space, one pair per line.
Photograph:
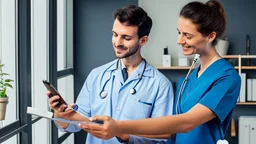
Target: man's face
125, 39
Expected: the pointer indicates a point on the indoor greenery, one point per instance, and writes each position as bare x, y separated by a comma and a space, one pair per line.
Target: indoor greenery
4, 83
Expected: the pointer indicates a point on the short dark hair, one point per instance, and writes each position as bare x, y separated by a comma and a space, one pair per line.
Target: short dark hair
133, 15
209, 17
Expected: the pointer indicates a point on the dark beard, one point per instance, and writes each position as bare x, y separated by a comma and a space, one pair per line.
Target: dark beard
130, 53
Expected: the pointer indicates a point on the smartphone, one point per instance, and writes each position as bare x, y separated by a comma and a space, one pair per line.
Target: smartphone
53, 91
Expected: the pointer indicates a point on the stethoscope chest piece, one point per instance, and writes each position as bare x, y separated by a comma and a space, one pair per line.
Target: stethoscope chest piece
222, 141
132, 91
103, 94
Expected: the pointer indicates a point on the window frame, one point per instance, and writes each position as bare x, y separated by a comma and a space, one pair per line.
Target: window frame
22, 125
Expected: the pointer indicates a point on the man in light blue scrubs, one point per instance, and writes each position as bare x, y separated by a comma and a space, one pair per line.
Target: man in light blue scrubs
127, 88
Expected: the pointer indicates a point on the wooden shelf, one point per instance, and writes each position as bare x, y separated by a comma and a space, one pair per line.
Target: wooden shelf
186, 68
237, 56
246, 103
230, 56
247, 67
226, 57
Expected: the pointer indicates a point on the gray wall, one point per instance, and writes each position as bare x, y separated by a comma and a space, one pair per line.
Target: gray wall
241, 21
93, 21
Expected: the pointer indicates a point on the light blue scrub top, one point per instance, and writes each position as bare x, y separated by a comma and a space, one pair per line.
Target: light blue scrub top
154, 88
218, 89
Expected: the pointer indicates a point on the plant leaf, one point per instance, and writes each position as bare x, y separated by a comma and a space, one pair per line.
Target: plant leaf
8, 80
1, 65
8, 85
2, 74
2, 94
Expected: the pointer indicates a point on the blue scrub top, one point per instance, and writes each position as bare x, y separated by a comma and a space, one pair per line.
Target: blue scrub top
218, 89
153, 98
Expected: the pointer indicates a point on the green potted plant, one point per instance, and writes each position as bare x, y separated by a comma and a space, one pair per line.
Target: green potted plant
4, 84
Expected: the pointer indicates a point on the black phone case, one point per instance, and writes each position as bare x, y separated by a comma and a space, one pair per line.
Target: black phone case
53, 92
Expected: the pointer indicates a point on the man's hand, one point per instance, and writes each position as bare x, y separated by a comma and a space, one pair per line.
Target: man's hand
103, 131
62, 111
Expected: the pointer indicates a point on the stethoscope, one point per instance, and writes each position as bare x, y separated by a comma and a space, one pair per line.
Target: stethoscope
184, 82
103, 93
183, 85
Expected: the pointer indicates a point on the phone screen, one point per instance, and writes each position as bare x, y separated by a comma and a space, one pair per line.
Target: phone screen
53, 91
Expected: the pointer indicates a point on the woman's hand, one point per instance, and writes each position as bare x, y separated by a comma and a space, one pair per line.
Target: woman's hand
103, 131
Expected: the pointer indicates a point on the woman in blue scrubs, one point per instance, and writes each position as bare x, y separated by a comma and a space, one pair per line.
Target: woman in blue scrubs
208, 97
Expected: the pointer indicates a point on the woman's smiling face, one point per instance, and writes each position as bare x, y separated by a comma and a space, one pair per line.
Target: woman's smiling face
191, 40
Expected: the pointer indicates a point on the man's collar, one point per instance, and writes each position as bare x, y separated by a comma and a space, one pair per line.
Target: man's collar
139, 70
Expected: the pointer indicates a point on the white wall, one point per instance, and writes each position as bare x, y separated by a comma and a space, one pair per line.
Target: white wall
8, 53
165, 14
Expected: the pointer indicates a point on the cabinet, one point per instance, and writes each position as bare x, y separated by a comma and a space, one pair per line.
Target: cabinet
238, 66
247, 130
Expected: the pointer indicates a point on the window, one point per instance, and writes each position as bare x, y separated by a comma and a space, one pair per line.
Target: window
27, 47
8, 55
65, 76
15, 56
65, 34
39, 67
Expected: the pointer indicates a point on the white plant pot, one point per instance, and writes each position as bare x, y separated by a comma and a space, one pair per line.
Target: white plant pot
3, 103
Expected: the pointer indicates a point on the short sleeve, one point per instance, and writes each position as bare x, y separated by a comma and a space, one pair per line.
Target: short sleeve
83, 102
222, 96
83, 99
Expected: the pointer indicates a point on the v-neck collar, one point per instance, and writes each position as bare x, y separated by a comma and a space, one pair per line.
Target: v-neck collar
205, 71
193, 82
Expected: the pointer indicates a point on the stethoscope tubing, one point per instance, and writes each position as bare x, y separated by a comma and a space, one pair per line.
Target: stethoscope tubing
103, 94
183, 85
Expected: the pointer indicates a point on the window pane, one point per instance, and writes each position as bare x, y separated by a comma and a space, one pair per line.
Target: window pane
39, 68
8, 55
12, 140
69, 28
61, 34
69, 140
66, 89
65, 34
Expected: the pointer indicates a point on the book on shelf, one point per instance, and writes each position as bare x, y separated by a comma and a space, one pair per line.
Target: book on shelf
249, 89
243, 88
